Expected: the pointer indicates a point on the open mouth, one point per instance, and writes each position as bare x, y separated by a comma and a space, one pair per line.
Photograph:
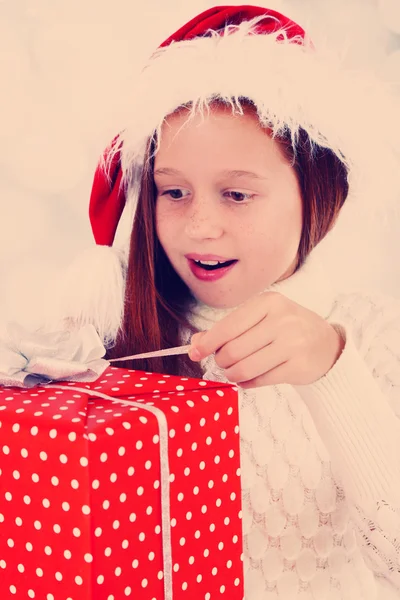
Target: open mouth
210, 267
213, 265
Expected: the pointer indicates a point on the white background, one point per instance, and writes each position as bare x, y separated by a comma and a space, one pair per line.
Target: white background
63, 64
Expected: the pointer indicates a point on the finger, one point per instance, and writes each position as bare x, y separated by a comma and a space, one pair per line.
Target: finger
278, 376
246, 344
196, 337
233, 325
257, 364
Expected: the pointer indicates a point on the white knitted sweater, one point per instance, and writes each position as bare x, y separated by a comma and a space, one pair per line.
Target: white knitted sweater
321, 463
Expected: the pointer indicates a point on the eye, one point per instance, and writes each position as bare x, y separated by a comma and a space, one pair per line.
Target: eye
175, 194
239, 196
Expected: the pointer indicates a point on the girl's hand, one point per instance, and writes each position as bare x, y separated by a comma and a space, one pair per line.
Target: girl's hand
270, 340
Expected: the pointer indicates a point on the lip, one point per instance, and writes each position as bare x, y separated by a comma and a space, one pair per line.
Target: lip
195, 256
209, 276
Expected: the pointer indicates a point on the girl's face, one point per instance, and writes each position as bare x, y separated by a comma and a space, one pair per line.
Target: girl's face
225, 192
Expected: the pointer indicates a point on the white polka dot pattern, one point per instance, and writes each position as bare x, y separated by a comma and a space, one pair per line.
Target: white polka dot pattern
80, 499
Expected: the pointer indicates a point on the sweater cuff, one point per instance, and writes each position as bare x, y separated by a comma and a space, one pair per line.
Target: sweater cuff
357, 425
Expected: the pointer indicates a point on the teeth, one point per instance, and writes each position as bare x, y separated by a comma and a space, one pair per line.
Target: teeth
208, 262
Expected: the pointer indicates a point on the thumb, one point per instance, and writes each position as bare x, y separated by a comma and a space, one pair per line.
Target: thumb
194, 354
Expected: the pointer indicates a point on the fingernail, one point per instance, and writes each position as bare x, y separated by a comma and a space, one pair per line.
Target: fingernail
194, 354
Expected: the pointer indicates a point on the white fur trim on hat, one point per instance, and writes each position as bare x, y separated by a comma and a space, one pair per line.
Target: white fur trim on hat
292, 86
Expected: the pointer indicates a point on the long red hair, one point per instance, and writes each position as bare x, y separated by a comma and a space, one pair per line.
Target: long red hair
157, 300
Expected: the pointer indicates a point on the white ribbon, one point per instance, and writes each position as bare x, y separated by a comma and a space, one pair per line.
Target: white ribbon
166, 352
164, 477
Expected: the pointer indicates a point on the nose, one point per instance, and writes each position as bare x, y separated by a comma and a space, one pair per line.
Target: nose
203, 220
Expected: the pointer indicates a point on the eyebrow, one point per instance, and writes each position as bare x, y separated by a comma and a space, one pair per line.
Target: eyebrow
227, 173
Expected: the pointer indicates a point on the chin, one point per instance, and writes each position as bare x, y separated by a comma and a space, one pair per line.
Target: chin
222, 300
221, 305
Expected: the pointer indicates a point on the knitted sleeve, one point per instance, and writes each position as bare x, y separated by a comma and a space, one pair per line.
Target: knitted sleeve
356, 408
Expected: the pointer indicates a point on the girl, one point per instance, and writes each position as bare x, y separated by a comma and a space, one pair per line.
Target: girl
243, 148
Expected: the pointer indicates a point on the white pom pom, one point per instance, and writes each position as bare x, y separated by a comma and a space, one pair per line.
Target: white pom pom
91, 290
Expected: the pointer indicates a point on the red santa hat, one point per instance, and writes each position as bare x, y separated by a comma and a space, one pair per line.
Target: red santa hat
234, 52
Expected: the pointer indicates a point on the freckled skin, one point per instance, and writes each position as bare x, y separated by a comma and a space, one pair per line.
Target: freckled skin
256, 221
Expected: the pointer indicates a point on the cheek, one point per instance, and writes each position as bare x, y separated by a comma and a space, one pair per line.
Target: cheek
277, 232
160, 222
289, 217
160, 231
296, 222
165, 226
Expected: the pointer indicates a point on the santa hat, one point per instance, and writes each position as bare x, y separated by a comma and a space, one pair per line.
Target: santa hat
232, 52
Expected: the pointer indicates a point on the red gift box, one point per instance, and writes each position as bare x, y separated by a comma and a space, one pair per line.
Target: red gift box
106, 499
